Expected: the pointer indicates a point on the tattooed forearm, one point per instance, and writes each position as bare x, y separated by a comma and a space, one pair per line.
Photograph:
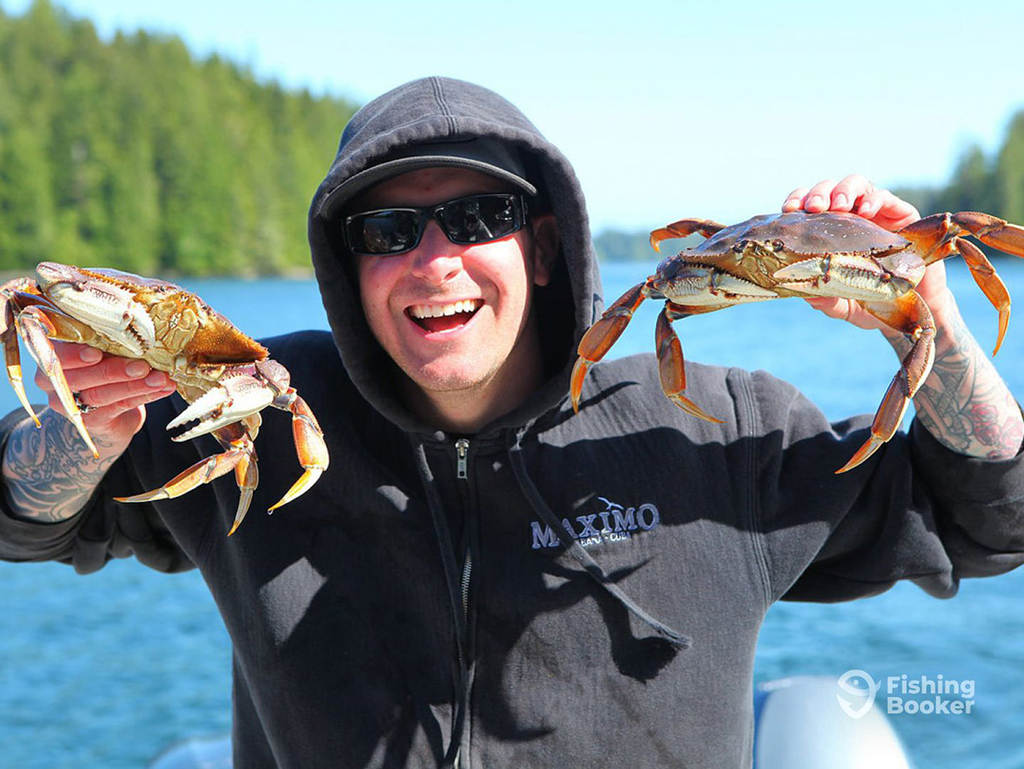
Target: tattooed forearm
48, 472
964, 402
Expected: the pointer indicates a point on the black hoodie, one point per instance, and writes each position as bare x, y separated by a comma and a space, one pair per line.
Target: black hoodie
557, 589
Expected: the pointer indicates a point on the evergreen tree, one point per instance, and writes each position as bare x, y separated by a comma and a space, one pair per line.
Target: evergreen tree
132, 154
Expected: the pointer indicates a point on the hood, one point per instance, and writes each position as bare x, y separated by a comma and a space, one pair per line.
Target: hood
437, 110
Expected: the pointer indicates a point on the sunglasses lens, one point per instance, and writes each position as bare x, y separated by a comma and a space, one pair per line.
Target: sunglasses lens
480, 218
384, 232
473, 219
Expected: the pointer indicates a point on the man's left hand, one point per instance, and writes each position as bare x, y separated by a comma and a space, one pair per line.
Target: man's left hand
855, 194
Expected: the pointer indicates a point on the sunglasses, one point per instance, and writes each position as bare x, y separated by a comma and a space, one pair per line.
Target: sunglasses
468, 220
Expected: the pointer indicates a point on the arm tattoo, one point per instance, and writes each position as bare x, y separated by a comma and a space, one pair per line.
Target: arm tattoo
964, 402
48, 472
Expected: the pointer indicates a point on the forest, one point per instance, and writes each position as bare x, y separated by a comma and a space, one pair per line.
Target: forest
135, 154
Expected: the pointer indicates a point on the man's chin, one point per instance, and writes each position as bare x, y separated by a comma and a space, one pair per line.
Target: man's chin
448, 382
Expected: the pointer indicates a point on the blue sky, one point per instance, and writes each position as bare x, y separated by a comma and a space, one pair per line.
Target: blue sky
667, 109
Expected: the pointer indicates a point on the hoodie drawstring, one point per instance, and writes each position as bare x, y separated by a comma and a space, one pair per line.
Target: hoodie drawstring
577, 551
451, 572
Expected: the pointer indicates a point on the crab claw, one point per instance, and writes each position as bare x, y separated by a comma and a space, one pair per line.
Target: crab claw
309, 445
236, 397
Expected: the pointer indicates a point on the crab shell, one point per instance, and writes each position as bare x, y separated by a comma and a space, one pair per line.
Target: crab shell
759, 249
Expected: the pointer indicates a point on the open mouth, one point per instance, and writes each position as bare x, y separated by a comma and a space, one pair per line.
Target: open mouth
436, 318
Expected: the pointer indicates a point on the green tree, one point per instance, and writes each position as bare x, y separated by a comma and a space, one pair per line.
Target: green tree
133, 154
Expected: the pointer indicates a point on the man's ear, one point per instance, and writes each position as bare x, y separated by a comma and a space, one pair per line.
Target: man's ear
545, 247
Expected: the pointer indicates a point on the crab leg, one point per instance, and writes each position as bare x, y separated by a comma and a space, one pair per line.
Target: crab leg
989, 282
941, 235
601, 336
240, 456
12, 359
671, 365
36, 327
309, 444
682, 228
910, 315
12, 352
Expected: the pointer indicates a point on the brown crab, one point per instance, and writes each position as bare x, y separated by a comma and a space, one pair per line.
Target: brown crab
226, 377
809, 255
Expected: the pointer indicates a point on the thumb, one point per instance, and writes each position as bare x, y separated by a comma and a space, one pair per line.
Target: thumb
834, 307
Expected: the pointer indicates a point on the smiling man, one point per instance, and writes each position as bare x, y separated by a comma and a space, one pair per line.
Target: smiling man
484, 578
453, 308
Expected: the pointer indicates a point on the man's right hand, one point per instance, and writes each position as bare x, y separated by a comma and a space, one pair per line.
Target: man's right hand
48, 472
115, 390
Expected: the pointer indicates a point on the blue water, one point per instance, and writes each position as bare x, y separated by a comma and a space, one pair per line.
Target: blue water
103, 671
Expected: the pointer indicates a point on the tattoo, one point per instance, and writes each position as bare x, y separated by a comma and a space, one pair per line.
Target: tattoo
48, 472
964, 402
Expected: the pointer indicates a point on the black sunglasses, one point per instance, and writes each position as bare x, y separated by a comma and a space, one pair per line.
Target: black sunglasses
472, 219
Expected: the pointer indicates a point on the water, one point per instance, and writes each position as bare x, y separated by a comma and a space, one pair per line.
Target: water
104, 670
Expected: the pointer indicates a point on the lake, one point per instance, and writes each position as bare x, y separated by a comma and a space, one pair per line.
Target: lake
105, 670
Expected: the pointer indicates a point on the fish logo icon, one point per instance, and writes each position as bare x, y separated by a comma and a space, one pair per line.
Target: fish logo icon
848, 683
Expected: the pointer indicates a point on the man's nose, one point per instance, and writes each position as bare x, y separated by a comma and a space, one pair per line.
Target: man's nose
436, 259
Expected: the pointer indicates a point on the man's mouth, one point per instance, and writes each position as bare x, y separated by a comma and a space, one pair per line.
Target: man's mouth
443, 317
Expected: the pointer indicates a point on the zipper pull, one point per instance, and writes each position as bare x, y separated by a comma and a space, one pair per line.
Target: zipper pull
462, 448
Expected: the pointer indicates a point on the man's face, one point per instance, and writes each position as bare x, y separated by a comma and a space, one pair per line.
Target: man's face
488, 341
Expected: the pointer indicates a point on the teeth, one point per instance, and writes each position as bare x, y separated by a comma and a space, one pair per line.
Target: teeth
437, 310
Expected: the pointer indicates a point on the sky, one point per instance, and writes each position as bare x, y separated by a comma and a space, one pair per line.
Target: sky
666, 109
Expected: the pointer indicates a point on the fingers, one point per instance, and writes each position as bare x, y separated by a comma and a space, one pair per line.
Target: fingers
106, 383
853, 194
887, 210
819, 197
72, 356
83, 370
127, 395
115, 412
815, 200
829, 195
795, 200
833, 307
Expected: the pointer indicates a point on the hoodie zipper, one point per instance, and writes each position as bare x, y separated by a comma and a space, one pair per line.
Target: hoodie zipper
462, 474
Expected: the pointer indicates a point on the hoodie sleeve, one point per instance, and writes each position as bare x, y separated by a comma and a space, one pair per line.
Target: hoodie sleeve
915, 510
102, 530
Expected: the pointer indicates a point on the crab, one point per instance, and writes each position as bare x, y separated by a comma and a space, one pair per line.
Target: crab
226, 377
809, 255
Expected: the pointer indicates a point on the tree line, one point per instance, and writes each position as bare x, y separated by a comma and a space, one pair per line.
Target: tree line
993, 184
136, 155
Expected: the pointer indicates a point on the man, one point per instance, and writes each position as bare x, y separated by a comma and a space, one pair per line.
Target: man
430, 600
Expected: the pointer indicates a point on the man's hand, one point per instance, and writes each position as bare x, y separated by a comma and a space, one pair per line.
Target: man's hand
113, 389
855, 194
48, 472
963, 402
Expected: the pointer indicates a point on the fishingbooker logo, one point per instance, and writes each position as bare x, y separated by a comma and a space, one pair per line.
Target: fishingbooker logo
906, 694
613, 524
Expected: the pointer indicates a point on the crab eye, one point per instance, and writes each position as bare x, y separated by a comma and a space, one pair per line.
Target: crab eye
740, 246
778, 245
